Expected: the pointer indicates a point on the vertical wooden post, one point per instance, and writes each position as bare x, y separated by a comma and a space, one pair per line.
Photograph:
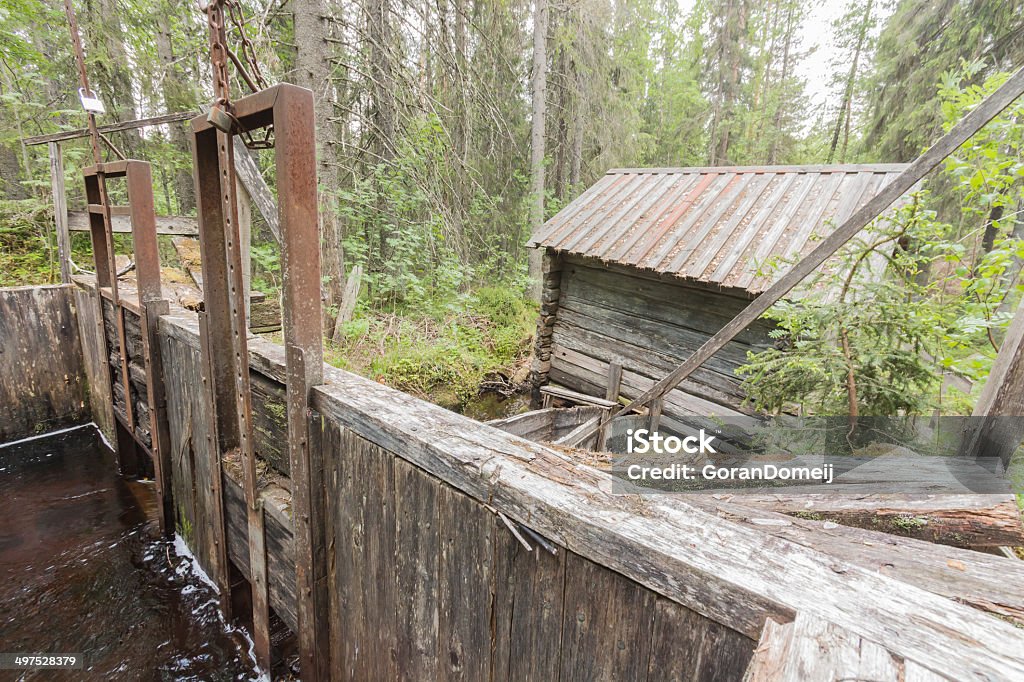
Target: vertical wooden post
655, 413
611, 392
60, 211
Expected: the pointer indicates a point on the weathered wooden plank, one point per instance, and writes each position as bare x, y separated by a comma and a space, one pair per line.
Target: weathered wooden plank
667, 301
97, 379
279, 546
771, 654
417, 552
174, 225
42, 372
985, 581
248, 174
819, 650
528, 604
688, 646
60, 212
363, 607
465, 574
709, 384
607, 638
579, 371
961, 520
269, 421
667, 339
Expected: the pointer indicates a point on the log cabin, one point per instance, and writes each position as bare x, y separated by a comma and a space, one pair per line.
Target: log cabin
647, 264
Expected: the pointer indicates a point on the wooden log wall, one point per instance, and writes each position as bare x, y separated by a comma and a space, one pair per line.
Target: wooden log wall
43, 385
549, 295
428, 581
649, 325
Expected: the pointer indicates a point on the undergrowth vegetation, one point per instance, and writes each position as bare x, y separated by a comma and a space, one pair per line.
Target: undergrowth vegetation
444, 352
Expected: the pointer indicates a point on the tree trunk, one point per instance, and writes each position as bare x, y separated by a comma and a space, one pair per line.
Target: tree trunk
312, 70
539, 87
846, 106
111, 69
177, 96
773, 152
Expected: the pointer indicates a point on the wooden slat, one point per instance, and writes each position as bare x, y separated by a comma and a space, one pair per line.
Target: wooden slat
60, 212
963, 520
528, 600
772, 653
465, 575
417, 553
607, 638
184, 226
363, 589
687, 646
988, 582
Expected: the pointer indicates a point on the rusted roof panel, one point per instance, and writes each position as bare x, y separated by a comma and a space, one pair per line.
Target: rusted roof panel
714, 225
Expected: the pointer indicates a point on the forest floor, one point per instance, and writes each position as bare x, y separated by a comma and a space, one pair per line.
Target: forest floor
472, 357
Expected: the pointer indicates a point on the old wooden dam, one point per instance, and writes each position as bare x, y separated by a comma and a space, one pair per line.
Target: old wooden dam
393, 539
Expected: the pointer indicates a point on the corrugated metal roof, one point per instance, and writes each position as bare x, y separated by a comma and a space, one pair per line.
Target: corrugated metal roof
713, 225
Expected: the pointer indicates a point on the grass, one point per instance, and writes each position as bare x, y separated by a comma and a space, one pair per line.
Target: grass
441, 357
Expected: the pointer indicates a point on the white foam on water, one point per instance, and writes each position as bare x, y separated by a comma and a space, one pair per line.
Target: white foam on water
182, 550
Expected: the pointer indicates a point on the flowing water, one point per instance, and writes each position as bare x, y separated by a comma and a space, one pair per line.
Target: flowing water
80, 572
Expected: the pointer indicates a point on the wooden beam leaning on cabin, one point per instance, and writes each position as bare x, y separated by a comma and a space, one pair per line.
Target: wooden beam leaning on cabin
988, 109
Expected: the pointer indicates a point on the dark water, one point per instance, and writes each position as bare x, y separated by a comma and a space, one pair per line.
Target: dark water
81, 573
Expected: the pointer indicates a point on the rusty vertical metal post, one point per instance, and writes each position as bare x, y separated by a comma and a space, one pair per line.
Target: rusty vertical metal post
289, 109
295, 156
106, 277
152, 305
225, 342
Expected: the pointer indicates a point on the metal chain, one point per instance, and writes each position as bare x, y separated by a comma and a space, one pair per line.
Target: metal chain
221, 114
